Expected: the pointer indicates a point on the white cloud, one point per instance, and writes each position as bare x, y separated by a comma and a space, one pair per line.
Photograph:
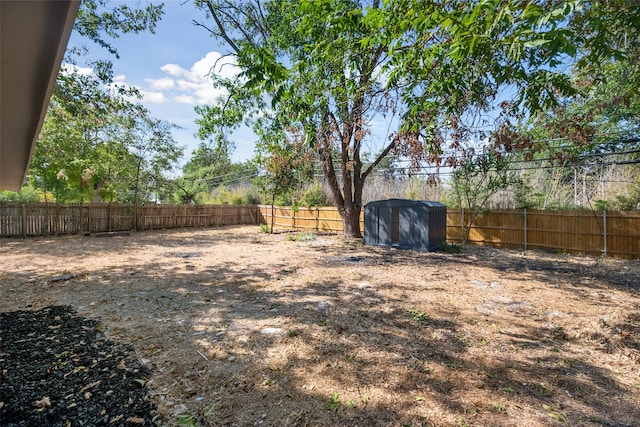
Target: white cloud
153, 97
173, 69
186, 86
162, 84
185, 99
193, 85
208, 95
227, 67
214, 62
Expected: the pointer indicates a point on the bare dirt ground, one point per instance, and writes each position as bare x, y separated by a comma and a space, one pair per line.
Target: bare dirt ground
241, 328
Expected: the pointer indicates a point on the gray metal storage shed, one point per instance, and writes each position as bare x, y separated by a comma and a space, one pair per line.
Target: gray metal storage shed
408, 224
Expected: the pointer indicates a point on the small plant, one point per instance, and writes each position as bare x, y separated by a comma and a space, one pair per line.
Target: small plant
265, 228
209, 410
544, 390
188, 420
498, 407
553, 414
334, 402
418, 315
450, 248
490, 374
451, 365
465, 340
304, 236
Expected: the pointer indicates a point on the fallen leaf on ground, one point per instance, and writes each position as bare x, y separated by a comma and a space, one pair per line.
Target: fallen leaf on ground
45, 402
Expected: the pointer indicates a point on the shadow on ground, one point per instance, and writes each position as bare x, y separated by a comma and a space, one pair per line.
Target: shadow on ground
270, 344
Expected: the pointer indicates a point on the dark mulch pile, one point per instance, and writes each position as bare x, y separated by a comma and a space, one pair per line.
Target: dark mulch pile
59, 370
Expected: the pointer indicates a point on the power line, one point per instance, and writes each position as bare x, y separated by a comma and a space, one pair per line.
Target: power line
249, 173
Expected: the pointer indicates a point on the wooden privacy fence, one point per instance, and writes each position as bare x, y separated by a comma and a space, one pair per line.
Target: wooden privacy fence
596, 233
35, 219
322, 218
610, 233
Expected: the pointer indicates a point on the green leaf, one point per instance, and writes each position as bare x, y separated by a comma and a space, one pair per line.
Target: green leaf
536, 43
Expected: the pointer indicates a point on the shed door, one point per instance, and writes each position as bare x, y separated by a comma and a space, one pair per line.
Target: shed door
408, 237
395, 225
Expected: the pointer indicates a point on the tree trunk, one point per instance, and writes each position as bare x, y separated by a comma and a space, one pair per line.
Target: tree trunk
349, 208
351, 221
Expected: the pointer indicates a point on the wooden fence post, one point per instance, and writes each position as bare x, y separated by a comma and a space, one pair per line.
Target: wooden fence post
257, 215
80, 225
604, 220
462, 223
24, 221
525, 229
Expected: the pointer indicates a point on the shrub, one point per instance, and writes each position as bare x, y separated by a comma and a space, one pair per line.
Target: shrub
314, 196
236, 196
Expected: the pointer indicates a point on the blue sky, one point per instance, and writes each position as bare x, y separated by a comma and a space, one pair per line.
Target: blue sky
170, 68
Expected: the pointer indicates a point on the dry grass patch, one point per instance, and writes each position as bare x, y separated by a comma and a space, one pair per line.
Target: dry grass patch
244, 328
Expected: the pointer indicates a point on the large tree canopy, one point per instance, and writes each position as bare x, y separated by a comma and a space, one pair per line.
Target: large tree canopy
328, 69
96, 144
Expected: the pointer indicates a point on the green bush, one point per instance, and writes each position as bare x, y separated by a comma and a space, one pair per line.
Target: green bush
624, 203
27, 194
314, 196
602, 205
236, 196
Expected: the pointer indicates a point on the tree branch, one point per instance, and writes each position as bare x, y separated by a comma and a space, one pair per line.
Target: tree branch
223, 33
381, 156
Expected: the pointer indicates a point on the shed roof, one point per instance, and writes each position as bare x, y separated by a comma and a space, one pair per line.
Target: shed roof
404, 203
